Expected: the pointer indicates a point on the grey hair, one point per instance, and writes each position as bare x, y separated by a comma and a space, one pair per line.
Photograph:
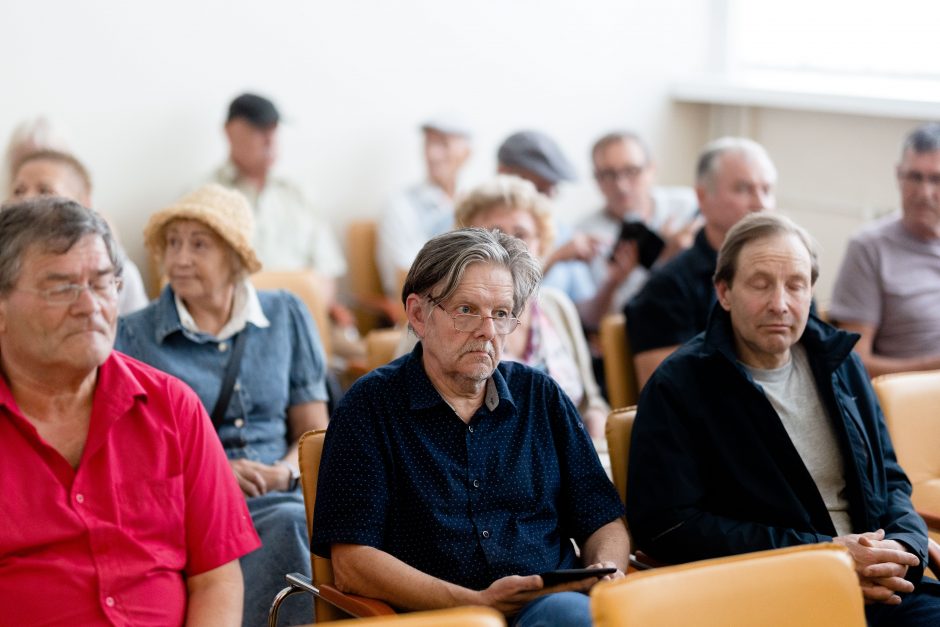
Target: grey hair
511, 193
709, 160
440, 265
53, 224
925, 138
756, 226
615, 137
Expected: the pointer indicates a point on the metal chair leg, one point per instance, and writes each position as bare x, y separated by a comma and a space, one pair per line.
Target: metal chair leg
295, 583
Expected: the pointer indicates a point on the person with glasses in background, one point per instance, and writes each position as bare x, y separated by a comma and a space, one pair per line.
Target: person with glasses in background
888, 288
625, 173
118, 506
450, 477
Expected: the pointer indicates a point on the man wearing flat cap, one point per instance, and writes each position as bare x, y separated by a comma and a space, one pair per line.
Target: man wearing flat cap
535, 157
426, 209
288, 233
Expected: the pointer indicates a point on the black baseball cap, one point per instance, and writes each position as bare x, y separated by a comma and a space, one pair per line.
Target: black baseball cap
257, 110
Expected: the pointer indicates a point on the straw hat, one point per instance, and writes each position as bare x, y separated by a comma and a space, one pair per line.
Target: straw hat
224, 210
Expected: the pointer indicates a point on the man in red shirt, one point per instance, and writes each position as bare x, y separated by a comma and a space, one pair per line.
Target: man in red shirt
118, 506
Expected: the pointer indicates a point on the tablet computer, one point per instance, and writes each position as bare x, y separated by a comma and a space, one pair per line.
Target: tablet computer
649, 244
555, 577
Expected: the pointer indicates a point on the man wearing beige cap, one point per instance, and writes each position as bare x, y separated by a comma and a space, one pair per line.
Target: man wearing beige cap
422, 211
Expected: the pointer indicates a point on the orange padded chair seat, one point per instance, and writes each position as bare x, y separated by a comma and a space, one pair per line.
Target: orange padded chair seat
804, 586
304, 285
457, 617
911, 404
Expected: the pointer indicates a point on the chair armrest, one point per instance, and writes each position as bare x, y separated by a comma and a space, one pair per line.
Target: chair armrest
932, 520
933, 554
642, 561
353, 604
635, 565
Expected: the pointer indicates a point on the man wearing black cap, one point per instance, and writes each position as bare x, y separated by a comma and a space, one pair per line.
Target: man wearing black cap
288, 233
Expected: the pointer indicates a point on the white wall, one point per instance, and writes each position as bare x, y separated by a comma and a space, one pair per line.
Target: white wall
141, 88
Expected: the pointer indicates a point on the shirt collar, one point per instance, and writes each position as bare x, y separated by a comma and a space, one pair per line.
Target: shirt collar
173, 316
832, 345
227, 174
423, 395
115, 390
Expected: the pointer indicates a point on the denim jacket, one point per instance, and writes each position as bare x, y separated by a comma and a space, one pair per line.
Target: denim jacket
283, 365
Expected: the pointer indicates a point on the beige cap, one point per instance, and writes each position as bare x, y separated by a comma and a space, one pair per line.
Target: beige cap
225, 211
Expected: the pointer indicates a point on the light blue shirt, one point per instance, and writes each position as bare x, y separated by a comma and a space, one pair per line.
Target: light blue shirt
283, 365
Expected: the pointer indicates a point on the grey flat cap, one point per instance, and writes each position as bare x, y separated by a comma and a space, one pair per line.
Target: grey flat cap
538, 153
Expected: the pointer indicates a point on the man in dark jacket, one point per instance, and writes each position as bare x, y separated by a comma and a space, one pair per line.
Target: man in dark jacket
764, 432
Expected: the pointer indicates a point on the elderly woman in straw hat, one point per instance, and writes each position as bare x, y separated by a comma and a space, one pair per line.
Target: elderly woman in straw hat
549, 336
254, 359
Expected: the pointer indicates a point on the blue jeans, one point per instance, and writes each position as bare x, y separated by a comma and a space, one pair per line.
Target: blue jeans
560, 609
281, 522
921, 608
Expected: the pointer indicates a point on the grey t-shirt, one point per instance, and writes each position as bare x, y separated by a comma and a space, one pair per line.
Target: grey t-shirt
891, 280
792, 392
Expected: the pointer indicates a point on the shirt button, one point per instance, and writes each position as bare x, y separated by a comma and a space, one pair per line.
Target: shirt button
109, 601
80, 498
223, 346
239, 422
470, 428
485, 534
476, 483
237, 386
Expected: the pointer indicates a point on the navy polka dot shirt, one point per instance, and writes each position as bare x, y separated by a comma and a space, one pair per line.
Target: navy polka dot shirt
467, 503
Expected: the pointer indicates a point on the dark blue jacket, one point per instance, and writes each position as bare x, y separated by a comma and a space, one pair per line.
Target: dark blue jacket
713, 472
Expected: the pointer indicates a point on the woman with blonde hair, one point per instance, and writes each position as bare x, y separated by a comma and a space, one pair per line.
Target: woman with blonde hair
550, 335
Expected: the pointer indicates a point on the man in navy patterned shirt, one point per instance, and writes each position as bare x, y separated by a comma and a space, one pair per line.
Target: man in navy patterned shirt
449, 478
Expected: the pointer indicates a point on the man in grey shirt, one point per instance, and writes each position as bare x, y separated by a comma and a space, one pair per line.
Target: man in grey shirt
888, 289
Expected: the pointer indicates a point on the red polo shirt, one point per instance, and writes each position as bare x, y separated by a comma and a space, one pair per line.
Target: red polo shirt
152, 501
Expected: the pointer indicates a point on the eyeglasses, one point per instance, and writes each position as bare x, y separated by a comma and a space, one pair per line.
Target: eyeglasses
103, 288
915, 178
468, 323
631, 173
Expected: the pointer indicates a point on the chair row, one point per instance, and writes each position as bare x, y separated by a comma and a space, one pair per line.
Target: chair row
756, 589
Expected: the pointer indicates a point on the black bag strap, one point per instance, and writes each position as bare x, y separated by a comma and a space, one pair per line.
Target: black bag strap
228, 381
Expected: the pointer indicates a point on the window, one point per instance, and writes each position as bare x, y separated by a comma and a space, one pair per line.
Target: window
851, 38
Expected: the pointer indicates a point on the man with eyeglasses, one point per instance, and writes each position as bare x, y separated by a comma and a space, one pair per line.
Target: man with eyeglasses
625, 173
451, 478
888, 288
118, 505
